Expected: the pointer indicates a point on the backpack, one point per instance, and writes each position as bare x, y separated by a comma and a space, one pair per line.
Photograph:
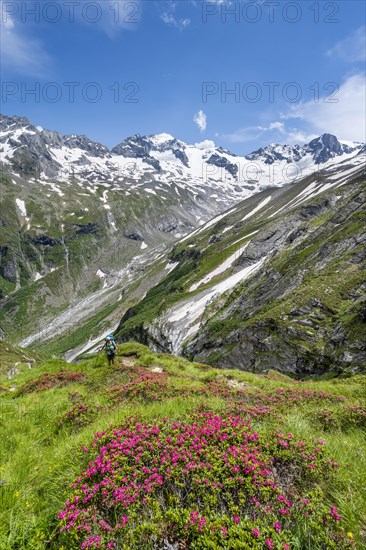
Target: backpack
110, 347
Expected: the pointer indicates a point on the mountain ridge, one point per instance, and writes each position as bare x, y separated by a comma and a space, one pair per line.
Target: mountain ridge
78, 251
48, 146
230, 295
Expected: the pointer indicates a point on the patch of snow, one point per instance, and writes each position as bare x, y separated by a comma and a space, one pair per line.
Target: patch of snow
143, 245
207, 225
91, 346
171, 266
183, 321
158, 139
244, 237
21, 206
55, 188
220, 269
257, 208
104, 198
103, 276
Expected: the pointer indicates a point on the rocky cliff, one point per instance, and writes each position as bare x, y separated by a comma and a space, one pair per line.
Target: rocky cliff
278, 283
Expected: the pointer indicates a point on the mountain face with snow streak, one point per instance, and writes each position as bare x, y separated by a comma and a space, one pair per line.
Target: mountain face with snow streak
276, 282
82, 224
321, 150
35, 152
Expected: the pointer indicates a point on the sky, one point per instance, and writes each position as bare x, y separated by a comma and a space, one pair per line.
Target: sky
239, 73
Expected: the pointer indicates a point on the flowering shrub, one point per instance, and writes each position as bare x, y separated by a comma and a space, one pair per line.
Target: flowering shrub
281, 398
145, 386
47, 381
211, 482
350, 416
79, 416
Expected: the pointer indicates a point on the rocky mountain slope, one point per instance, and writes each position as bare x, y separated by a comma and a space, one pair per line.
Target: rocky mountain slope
85, 231
279, 281
47, 155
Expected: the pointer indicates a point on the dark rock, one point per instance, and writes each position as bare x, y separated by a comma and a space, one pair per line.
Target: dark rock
275, 153
307, 323
359, 257
87, 229
312, 210
153, 162
222, 162
215, 239
326, 147
133, 236
296, 234
82, 142
133, 147
4, 251
363, 312
181, 155
44, 240
8, 266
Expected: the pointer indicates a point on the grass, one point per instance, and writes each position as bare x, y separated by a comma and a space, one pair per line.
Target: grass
40, 458
9, 355
74, 336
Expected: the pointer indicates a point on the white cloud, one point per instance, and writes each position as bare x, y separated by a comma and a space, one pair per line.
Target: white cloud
273, 126
20, 52
201, 120
274, 132
352, 49
345, 117
206, 144
298, 137
243, 134
342, 114
110, 16
169, 17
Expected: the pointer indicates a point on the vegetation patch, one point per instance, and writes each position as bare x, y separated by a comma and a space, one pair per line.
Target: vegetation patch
48, 381
210, 482
157, 451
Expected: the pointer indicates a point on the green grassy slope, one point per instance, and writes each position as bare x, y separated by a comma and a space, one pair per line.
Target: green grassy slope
49, 260
10, 355
306, 304
57, 408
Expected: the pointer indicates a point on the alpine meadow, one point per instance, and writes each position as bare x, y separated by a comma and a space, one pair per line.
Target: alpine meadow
182, 275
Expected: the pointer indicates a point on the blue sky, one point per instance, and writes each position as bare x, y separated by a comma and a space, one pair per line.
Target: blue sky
113, 68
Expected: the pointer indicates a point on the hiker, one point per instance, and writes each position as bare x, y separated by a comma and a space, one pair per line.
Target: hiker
111, 349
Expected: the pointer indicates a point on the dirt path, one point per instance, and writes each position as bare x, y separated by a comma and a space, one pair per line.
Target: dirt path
128, 360
131, 360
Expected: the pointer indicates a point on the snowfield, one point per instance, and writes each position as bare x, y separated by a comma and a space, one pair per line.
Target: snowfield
182, 322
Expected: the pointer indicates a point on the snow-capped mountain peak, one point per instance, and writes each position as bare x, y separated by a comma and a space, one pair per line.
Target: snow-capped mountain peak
159, 139
162, 159
327, 147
